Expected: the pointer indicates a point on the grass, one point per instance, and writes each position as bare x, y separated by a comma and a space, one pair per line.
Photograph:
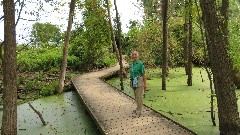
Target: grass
187, 105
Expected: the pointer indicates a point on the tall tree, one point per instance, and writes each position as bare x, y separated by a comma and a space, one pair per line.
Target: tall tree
216, 26
119, 45
45, 35
112, 32
151, 9
9, 118
165, 43
65, 49
96, 32
185, 44
208, 70
190, 50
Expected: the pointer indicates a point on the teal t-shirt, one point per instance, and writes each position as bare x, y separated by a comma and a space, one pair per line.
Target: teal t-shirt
136, 69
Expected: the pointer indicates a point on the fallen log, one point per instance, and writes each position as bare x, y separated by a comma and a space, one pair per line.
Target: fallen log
38, 113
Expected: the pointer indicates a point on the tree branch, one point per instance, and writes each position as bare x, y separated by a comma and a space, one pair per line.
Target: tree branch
24, 46
19, 14
1, 18
38, 113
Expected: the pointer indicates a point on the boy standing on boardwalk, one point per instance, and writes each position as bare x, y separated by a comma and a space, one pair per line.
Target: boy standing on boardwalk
137, 81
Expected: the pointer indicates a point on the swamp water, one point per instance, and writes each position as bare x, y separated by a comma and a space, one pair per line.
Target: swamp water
65, 115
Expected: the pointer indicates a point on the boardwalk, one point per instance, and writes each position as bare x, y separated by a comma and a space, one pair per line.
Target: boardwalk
112, 110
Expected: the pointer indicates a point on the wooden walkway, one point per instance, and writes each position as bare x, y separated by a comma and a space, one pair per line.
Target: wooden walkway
113, 110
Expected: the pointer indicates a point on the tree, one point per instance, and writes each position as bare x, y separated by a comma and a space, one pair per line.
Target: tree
147, 39
216, 25
190, 46
151, 9
65, 49
45, 35
97, 33
21, 4
185, 44
119, 44
165, 44
112, 32
208, 70
9, 118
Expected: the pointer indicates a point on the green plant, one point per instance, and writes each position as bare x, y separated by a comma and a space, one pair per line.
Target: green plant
41, 59
30, 86
39, 77
54, 70
21, 80
46, 35
49, 89
234, 48
69, 76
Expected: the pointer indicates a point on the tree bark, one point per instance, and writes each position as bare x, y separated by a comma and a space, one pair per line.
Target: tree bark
185, 44
189, 81
165, 44
60, 86
9, 118
185, 47
112, 33
120, 46
217, 32
208, 70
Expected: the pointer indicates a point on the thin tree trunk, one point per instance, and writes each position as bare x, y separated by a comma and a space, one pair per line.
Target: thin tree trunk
185, 48
165, 44
65, 49
120, 46
185, 44
209, 73
217, 32
9, 118
21, 9
189, 81
112, 33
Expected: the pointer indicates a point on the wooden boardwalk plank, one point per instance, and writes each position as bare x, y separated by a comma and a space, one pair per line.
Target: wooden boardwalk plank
112, 110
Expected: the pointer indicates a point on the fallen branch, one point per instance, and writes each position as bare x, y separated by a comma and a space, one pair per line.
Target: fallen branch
39, 114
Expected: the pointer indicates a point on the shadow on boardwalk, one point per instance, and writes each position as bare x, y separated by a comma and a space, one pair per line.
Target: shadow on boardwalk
113, 110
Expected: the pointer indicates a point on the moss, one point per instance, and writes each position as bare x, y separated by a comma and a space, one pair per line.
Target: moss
188, 105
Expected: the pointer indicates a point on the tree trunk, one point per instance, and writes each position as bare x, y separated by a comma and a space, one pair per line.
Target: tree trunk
185, 47
209, 72
112, 33
65, 49
165, 44
9, 118
217, 32
120, 46
185, 44
189, 81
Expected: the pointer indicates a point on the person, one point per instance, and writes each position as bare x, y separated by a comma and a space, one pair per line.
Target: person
137, 81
